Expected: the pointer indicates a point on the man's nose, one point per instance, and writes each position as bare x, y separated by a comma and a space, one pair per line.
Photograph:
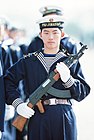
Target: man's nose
50, 36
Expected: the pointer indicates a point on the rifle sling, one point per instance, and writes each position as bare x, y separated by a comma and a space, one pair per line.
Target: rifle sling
59, 93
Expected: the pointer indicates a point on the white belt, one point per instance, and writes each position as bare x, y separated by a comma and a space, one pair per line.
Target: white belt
54, 101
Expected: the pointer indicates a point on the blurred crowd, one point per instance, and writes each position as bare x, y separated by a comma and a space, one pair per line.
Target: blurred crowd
13, 41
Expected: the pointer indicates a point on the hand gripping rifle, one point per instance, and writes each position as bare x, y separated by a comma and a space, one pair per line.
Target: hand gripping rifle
35, 97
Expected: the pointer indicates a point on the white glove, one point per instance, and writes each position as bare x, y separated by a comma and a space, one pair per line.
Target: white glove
25, 111
0, 134
63, 71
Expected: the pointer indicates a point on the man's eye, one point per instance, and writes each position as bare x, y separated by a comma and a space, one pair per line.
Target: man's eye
55, 32
45, 33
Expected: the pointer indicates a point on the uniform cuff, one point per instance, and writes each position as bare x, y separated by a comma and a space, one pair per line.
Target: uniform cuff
69, 83
16, 102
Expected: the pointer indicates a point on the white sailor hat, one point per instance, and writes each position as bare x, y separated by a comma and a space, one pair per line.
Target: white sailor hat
46, 10
51, 21
4, 21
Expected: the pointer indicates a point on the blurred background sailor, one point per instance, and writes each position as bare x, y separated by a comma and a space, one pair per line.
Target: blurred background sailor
13, 48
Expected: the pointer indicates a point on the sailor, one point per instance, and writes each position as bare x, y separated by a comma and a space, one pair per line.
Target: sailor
58, 122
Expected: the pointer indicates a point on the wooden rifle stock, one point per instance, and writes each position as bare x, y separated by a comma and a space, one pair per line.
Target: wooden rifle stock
20, 121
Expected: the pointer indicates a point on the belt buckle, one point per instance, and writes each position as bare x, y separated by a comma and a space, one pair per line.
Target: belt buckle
52, 101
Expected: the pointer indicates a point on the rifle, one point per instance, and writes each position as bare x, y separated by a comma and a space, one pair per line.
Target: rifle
35, 97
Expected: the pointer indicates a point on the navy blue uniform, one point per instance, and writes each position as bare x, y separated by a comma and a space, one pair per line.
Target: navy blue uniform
2, 104
58, 121
15, 52
3, 67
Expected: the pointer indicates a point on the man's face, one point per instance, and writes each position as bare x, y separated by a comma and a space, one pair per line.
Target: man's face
51, 38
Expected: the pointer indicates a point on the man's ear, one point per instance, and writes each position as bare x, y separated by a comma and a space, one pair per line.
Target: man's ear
40, 34
62, 34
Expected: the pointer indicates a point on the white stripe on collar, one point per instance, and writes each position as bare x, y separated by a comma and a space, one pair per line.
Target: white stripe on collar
42, 59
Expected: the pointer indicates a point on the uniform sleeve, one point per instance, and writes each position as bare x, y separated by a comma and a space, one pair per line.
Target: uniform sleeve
12, 77
80, 89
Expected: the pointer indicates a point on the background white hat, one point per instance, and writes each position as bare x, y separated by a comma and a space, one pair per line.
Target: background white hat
46, 10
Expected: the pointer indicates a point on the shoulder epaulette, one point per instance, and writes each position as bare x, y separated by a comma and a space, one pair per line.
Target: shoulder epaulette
30, 54
35, 53
27, 55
